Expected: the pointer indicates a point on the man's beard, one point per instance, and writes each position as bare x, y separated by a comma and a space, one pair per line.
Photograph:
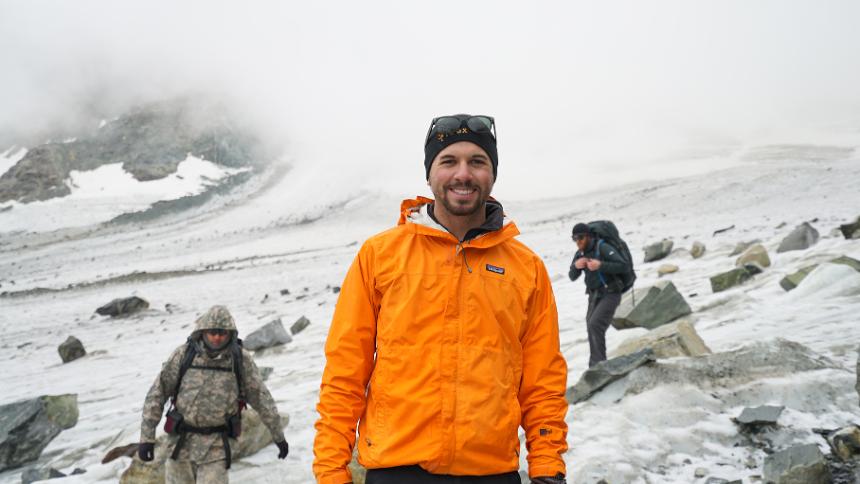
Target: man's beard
462, 210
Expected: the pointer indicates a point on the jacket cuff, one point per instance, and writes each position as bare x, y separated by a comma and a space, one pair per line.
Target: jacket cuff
546, 470
340, 476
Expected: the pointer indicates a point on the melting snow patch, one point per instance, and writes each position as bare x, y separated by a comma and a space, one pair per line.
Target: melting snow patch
101, 194
828, 281
10, 157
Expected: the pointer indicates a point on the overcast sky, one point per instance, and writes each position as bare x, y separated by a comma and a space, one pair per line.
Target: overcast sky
584, 93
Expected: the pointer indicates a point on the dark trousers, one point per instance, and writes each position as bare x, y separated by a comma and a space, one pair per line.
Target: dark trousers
417, 475
601, 310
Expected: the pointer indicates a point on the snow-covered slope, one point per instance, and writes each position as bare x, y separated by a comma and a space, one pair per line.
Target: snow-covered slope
287, 238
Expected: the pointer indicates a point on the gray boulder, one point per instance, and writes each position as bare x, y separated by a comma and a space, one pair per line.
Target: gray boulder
697, 250
667, 341
606, 372
800, 464
755, 417
655, 306
852, 230
755, 254
845, 443
71, 349
28, 426
36, 474
299, 325
658, 250
255, 436
123, 306
734, 277
272, 334
740, 247
802, 237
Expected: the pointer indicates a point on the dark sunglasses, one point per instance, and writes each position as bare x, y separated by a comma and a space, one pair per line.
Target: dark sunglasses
447, 125
218, 332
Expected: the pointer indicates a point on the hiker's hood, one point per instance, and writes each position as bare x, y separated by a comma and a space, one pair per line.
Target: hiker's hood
217, 317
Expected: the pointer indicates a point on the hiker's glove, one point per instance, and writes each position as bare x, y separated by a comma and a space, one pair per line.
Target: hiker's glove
580, 263
283, 449
593, 264
146, 451
558, 479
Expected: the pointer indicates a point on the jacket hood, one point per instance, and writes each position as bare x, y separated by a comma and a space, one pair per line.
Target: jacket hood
217, 317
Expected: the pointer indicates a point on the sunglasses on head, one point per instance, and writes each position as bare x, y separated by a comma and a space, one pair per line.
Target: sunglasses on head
447, 125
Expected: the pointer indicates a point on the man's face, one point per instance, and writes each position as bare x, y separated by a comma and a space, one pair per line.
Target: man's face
582, 241
461, 178
216, 338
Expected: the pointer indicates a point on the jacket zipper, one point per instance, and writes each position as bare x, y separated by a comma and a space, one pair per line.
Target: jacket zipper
460, 249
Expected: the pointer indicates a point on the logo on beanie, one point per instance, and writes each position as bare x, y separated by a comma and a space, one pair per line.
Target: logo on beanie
441, 136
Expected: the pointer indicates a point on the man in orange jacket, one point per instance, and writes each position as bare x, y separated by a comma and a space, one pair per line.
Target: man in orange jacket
444, 340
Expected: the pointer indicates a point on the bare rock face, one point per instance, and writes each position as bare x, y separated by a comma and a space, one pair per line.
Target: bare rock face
801, 464
28, 426
255, 436
667, 341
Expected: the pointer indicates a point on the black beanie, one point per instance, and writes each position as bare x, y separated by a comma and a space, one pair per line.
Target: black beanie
580, 228
440, 141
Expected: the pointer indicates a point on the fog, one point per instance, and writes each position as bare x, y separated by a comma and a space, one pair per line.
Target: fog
586, 95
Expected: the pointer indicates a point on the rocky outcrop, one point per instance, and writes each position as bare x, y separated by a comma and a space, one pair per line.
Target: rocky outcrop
654, 306
755, 254
150, 142
667, 341
658, 250
606, 372
299, 325
255, 436
28, 426
734, 277
272, 334
123, 306
852, 230
697, 250
800, 464
71, 349
802, 237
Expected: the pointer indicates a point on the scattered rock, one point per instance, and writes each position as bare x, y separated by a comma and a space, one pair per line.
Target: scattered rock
658, 250
266, 372
740, 247
265, 298
272, 334
733, 278
667, 269
78, 471
791, 281
755, 254
71, 349
606, 372
800, 464
285, 292
754, 418
655, 306
700, 472
335, 289
122, 451
33, 474
852, 230
28, 426
299, 325
667, 341
720, 231
802, 237
697, 250
845, 443
123, 306
254, 437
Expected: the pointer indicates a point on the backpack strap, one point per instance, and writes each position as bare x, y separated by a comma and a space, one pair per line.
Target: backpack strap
239, 370
600, 273
187, 360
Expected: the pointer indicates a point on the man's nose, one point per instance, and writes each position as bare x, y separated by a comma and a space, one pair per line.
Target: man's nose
463, 171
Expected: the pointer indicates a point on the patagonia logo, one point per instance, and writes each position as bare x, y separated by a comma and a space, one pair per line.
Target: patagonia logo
497, 270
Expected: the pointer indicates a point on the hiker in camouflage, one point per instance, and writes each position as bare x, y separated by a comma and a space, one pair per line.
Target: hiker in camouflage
207, 389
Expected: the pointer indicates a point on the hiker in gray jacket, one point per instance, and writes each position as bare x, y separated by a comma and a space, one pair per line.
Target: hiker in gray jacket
602, 265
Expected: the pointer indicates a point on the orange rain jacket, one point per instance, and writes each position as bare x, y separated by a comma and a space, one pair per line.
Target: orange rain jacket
467, 351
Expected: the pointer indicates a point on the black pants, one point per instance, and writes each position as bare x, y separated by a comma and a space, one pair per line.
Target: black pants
601, 310
417, 475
